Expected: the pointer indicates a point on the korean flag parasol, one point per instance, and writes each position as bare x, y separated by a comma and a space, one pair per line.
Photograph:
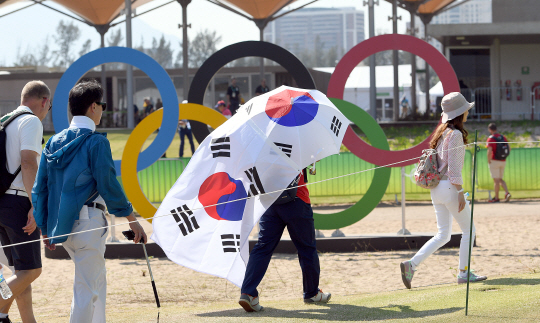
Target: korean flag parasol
237, 172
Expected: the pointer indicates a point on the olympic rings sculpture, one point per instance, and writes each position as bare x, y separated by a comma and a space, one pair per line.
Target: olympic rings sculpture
133, 160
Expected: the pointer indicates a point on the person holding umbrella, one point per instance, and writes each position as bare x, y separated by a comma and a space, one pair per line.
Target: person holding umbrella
448, 198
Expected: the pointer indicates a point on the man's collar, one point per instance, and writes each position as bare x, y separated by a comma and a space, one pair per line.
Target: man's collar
82, 122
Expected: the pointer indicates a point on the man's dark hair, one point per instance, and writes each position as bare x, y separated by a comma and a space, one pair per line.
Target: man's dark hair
83, 95
492, 127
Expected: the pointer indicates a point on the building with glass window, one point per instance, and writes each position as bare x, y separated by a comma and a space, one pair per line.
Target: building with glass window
317, 30
497, 62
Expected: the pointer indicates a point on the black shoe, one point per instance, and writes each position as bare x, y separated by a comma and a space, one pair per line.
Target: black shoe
5, 320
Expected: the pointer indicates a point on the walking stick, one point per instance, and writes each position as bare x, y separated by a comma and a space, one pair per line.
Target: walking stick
471, 230
130, 235
151, 276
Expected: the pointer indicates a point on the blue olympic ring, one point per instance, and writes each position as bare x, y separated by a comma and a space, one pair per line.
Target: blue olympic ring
145, 63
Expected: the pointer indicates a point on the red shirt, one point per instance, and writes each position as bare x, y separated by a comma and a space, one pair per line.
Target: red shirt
302, 191
226, 112
491, 142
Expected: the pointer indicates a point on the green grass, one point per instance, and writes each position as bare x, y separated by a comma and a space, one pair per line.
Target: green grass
502, 299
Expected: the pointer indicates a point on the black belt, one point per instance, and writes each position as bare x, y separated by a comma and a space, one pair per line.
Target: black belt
97, 206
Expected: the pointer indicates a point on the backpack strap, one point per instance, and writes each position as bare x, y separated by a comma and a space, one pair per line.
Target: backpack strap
15, 116
8, 121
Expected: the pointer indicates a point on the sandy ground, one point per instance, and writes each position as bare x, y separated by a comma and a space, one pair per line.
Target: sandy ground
508, 238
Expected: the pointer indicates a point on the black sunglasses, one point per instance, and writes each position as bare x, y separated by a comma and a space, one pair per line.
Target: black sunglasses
50, 102
103, 105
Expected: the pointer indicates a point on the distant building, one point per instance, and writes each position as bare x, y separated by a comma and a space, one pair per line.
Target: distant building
470, 12
497, 62
317, 30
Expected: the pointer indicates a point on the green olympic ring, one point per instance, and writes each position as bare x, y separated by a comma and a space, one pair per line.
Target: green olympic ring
381, 178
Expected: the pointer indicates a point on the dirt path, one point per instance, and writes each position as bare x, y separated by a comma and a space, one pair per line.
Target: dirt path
508, 237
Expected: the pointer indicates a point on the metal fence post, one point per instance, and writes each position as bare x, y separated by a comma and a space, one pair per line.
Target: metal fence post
403, 230
112, 229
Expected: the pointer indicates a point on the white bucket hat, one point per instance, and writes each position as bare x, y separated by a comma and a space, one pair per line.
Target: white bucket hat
453, 105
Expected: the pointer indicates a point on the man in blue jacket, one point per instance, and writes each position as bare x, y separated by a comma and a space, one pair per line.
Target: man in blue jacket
75, 180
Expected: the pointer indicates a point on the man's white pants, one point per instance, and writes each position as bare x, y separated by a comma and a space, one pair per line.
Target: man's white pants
445, 201
87, 250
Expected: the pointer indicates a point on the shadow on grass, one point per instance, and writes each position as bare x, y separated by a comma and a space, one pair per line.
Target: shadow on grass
337, 312
512, 281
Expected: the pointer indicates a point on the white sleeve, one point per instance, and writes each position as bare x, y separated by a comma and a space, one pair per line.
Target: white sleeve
456, 157
31, 134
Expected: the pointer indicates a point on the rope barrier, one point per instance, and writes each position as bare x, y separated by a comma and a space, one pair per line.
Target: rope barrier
245, 198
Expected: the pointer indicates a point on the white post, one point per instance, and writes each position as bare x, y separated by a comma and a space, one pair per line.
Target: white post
129, 71
112, 229
403, 230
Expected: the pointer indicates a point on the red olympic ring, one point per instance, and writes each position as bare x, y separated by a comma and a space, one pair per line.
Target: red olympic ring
363, 50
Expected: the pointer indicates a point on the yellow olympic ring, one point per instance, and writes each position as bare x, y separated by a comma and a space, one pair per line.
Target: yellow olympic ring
136, 140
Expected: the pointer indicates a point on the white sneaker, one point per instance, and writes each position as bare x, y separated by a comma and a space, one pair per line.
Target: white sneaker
250, 303
473, 278
319, 298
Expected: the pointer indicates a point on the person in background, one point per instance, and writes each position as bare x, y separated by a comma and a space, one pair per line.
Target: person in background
24, 137
159, 104
497, 162
222, 108
448, 198
148, 106
233, 96
404, 107
75, 185
262, 89
136, 117
116, 117
184, 129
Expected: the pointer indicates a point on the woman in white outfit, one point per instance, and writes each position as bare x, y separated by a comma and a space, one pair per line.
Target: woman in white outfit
448, 198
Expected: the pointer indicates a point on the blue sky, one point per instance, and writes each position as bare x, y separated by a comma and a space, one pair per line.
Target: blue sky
29, 28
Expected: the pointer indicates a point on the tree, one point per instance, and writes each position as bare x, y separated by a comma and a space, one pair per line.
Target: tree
85, 47
331, 57
318, 52
161, 52
115, 38
26, 59
66, 35
44, 56
203, 46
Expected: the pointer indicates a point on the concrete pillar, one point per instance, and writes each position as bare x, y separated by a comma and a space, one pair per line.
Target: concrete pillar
129, 70
495, 62
395, 63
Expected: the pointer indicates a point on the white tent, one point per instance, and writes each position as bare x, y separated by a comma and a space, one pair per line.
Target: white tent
357, 87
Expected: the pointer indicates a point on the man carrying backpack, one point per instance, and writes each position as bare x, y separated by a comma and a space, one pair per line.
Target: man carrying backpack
292, 210
498, 151
22, 140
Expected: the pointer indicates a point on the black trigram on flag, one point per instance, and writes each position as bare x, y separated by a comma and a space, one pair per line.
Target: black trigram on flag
230, 242
286, 149
248, 108
335, 126
221, 147
255, 188
185, 219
